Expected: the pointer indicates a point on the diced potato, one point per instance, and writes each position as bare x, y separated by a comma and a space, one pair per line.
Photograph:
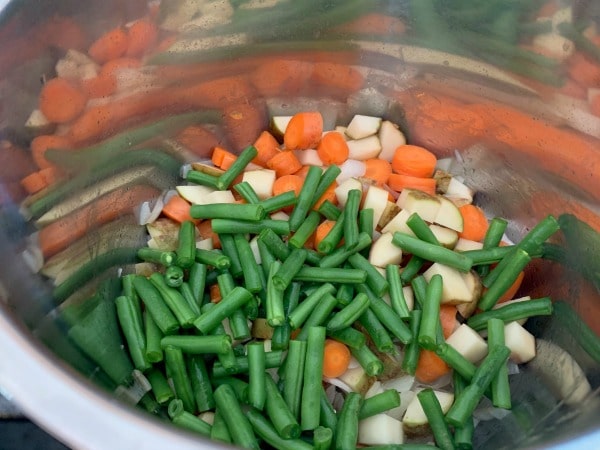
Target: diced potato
366, 148
447, 237
383, 252
341, 192
391, 138
357, 379
455, 288
415, 416
520, 342
448, 215
390, 211
414, 201
308, 157
510, 302
195, 194
473, 284
462, 245
398, 223
208, 169
205, 244
220, 197
380, 429
468, 343
363, 126
376, 199
254, 248
458, 190
261, 181
279, 125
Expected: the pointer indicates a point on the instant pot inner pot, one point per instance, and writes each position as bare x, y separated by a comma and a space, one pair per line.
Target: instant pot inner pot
410, 75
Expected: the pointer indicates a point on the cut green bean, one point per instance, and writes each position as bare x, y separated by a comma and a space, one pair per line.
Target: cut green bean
272, 359
456, 360
397, 298
500, 385
327, 179
298, 315
279, 201
463, 436
311, 385
375, 280
334, 237
366, 223
419, 287
257, 393
305, 230
229, 249
174, 300
421, 229
368, 360
227, 359
514, 311
349, 314
290, 267
266, 257
230, 226
347, 428
156, 306
351, 218
338, 256
435, 416
203, 179
376, 331
412, 268
174, 276
492, 239
412, 351
238, 166
160, 386
153, 255
318, 316
186, 291
234, 211
219, 431
186, 246
226, 283
331, 274
345, 294
467, 401
247, 192
266, 432
274, 243
379, 403
274, 302
487, 256
177, 371
237, 422
430, 320
132, 328
294, 376
431, 252
240, 387
328, 414
197, 345
183, 418
284, 421
322, 438
349, 336
329, 210
250, 268
212, 258
197, 281
153, 336
236, 299
305, 197
201, 385
578, 329
517, 262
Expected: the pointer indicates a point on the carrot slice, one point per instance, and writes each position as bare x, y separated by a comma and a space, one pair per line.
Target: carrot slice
281, 77
267, 147
302, 172
198, 139
206, 232
177, 209
111, 45
99, 86
244, 122
61, 100
329, 194
40, 144
414, 161
143, 35
222, 158
303, 131
399, 182
287, 183
215, 293
336, 359
323, 230
430, 367
338, 80
114, 65
475, 224
448, 319
333, 148
512, 290
378, 170
284, 163
34, 182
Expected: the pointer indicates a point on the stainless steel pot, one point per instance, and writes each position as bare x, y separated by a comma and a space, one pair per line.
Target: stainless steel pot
521, 183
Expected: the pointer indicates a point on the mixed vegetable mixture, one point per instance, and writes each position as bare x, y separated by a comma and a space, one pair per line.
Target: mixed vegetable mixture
316, 284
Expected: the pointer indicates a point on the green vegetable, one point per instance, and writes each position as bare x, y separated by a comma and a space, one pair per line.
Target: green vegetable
237, 422
435, 416
431, 252
346, 435
257, 393
310, 409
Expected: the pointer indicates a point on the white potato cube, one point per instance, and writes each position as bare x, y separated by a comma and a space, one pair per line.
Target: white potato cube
383, 252
448, 215
376, 199
341, 192
261, 181
308, 157
195, 194
398, 223
220, 197
255, 251
415, 201
520, 342
362, 149
447, 237
463, 245
391, 138
415, 416
466, 341
455, 289
363, 126
380, 429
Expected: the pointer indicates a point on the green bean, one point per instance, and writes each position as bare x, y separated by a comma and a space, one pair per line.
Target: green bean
305, 230
403, 447
328, 415
280, 227
467, 401
227, 359
198, 344
435, 417
249, 212
186, 247
375, 280
431, 252
250, 269
298, 315
412, 268
229, 249
131, 325
323, 438
266, 432
318, 316
376, 331
331, 274
237, 422
186, 291
338, 256
305, 197
379, 403
487, 256
278, 411
366, 223
200, 381
327, 179
174, 277
333, 238
129, 291
515, 311
419, 287
153, 336
346, 435
329, 210
238, 322
492, 239
397, 299
160, 386
311, 384
349, 336
290, 267
177, 371
349, 314
463, 436
212, 258
251, 308
183, 418
257, 393
219, 431
351, 218
294, 375
345, 294
114, 257
456, 360
234, 300
274, 243
505, 279
312, 257
576, 327
203, 179
274, 304
240, 387
156, 306
238, 166
272, 359
412, 351
279, 201
266, 257
156, 256
174, 300
430, 321
197, 281
421, 229
500, 385
247, 192
368, 360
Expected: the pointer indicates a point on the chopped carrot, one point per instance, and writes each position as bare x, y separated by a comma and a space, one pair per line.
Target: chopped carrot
287, 183
61, 100
111, 45
99, 86
595, 105
222, 158
338, 80
448, 319
303, 131
114, 65
336, 359
220, 92
430, 367
284, 163
281, 77
198, 139
34, 182
323, 230
215, 293
378, 170
267, 147
206, 232
244, 122
584, 71
512, 290
475, 224
143, 35
177, 209
329, 194
302, 172
414, 161
399, 182
94, 123
40, 144
333, 148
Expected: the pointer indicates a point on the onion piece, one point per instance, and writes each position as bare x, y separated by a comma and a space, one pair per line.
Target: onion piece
351, 169
338, 383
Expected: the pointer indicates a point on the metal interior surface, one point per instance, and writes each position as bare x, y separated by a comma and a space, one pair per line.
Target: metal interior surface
56, 385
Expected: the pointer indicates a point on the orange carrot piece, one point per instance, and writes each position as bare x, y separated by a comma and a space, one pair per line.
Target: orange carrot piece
337, 79
34, 182
475, 224
399, 182
41, 143
595, 105
302, 172
323, 230
111, 45
304, 131
282, 77
287, 183
215, 293
284, 163
414, 161
333, 148
100, 86
267, 147
329, 194
430, 367
448, 319
222, 158
197, 139
336, 358
220, 92
61, 100
378, 170
143, 35
243, 122
206, 232
512, 290
177, 209
114, 65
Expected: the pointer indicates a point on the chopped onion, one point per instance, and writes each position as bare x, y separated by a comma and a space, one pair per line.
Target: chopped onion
338, 383
149, 211
401, 384
351, 169
353, 363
